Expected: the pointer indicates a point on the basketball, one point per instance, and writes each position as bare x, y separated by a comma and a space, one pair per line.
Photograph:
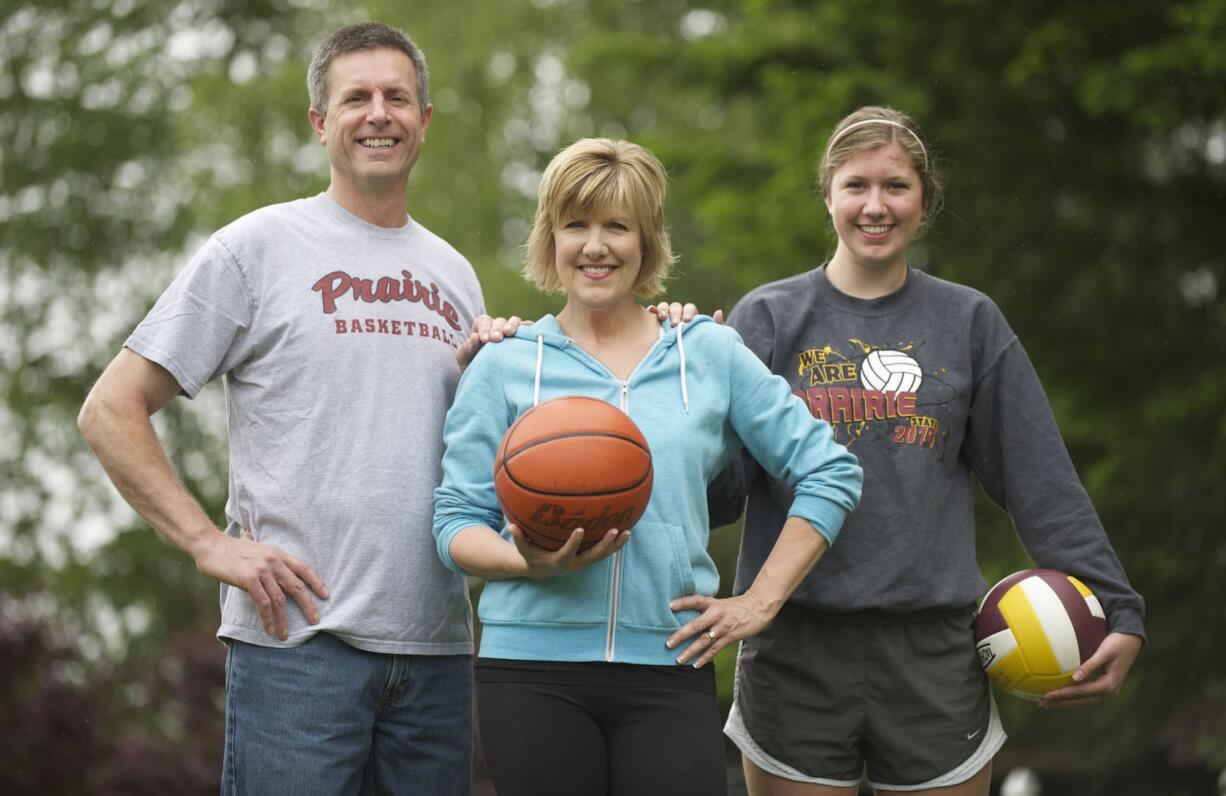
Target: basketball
572, 462
1035, 628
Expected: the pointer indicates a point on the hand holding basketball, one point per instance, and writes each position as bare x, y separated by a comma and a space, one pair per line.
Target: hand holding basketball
570, 557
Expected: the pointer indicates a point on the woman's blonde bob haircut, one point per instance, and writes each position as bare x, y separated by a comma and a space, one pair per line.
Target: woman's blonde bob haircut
591, 176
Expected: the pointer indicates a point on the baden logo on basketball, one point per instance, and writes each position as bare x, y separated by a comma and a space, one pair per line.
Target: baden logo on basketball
890, 371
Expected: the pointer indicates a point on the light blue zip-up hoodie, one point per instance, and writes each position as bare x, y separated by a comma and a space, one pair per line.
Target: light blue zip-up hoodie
698, 395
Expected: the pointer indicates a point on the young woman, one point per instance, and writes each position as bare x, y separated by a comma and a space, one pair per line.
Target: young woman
579, 685
871, 665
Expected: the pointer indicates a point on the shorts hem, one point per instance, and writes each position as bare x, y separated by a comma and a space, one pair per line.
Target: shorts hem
993, 739
739, 735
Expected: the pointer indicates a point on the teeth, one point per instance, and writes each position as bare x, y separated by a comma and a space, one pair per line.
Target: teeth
377, 143
875, 229
596, 269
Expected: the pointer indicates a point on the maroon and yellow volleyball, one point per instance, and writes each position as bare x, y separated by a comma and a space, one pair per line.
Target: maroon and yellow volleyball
572, 462
1035, 628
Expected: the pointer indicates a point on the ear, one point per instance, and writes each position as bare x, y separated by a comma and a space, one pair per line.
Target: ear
425, 119
317, 124
829, 204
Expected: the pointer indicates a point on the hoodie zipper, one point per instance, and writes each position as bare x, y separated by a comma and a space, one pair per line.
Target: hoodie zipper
615, 576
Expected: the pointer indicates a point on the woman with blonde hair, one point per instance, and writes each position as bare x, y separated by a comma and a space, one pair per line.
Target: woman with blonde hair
870, 668
580, 687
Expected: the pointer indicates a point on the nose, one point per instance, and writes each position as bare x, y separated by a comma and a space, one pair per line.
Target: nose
594, 245
378, 110
874, 204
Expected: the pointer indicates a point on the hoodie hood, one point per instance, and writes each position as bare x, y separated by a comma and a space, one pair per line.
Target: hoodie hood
548, 332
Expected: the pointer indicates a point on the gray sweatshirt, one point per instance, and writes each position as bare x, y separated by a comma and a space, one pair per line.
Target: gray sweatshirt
926, 386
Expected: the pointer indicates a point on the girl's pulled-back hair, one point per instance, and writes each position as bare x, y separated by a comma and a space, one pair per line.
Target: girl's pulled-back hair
875, 126
592, 175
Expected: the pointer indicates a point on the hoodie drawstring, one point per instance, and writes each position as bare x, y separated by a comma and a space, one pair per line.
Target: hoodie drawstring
685, 395
540, 356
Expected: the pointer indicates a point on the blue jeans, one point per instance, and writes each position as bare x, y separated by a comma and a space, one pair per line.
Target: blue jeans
328, 718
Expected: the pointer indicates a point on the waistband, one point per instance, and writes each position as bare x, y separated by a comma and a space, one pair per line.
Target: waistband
596, 673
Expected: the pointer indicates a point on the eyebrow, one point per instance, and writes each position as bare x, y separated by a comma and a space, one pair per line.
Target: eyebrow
356, 88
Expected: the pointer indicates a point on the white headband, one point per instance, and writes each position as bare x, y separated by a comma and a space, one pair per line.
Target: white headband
890, 122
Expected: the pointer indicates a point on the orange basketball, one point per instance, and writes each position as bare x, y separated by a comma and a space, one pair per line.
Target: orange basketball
572, 462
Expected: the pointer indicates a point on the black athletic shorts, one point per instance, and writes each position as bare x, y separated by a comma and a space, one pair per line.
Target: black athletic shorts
824, 697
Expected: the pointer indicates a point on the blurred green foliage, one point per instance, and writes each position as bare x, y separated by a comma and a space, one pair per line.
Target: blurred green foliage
1085, 150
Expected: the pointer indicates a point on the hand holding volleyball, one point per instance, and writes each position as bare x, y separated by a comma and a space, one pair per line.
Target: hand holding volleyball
1042, 635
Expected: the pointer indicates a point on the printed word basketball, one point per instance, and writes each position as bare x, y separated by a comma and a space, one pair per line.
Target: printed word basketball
1035, 628
572, 462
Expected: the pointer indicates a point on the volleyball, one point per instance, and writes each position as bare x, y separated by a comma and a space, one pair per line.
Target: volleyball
890, 371
1035, 628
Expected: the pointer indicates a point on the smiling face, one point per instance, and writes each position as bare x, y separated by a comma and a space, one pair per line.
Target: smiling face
598, 256
876, 203
373, 127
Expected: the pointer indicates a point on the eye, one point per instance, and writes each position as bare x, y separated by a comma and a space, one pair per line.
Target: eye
618, 225
899, 185
577, 223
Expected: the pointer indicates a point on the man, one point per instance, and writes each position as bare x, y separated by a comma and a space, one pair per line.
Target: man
334, 323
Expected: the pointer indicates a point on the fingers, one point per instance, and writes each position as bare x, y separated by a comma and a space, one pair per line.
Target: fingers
718, 315
258, 592
467, 350
703, 630
705, 646
610, 543
296, 581
674, 312
486, 330
1063, 704
544, 563
570, 548
1113, 658
271, 577
512, 325
493, 330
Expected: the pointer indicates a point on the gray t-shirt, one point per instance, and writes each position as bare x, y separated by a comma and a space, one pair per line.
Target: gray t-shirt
336, 341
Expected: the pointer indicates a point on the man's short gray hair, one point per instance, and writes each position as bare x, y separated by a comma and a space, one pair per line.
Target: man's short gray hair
363, 36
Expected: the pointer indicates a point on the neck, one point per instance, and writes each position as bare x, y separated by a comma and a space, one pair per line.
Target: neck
863, 281
385, 208
595, 326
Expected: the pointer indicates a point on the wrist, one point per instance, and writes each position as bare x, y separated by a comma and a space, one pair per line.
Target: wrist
198, 543
767, 605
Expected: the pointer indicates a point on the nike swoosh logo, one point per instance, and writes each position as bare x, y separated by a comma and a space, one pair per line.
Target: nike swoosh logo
971, 735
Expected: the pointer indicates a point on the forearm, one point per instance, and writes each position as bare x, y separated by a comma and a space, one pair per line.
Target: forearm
122, 436
480, 551
797, 550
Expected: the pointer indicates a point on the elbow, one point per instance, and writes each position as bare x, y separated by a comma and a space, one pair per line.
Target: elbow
88, 419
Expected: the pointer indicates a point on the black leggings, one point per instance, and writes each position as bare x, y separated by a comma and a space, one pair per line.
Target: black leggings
600, 728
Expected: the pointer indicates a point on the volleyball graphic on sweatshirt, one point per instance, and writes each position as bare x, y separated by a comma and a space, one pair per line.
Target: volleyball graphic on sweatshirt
890, 371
